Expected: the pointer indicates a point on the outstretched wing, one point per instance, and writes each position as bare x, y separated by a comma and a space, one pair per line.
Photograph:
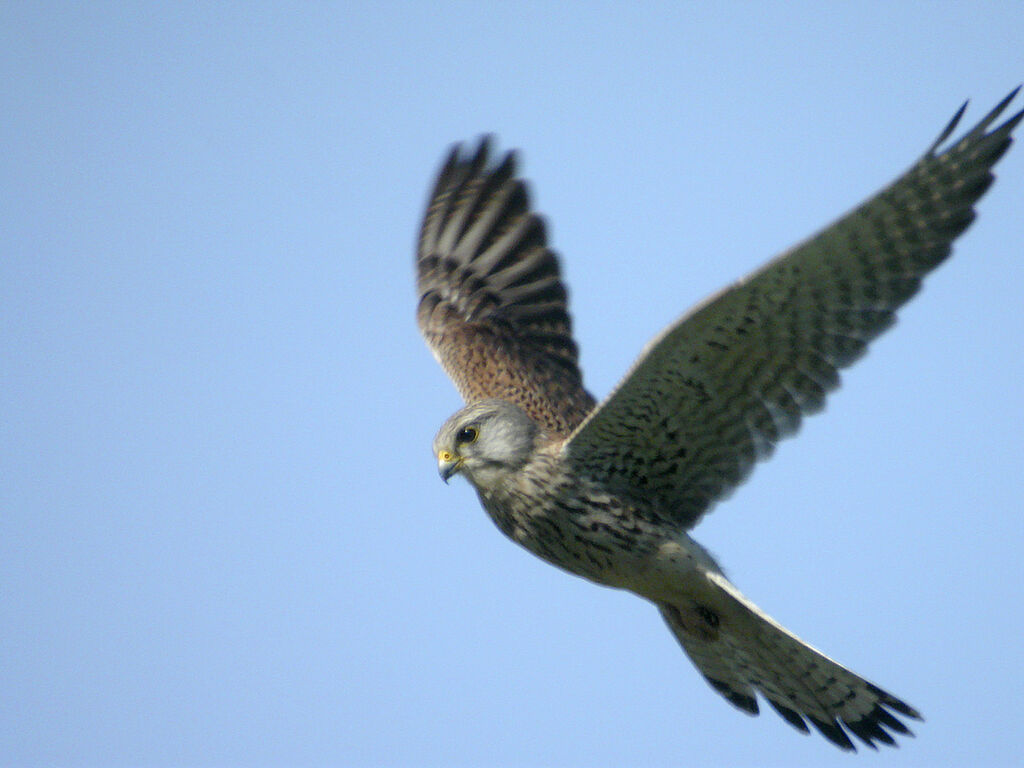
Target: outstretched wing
492, 307
716, 390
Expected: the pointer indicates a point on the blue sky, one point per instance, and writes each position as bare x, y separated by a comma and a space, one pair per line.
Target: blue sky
222, 536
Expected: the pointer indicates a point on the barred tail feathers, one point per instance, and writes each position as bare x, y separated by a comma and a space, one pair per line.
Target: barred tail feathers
742, 652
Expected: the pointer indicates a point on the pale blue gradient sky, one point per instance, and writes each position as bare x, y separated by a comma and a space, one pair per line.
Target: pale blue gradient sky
222, 536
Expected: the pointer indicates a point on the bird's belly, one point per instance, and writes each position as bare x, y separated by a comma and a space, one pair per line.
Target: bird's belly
599, 538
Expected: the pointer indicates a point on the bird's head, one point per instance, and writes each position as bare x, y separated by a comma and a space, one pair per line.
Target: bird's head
485, 441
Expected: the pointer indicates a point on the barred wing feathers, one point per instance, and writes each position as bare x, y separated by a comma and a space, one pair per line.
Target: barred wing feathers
492, 307
719, 388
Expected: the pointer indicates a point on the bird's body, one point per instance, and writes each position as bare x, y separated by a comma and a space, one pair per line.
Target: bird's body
622, 539
613, 539
617, 539
608, 491
576, 524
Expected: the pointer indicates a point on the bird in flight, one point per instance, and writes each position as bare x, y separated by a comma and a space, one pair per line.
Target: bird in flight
608, 490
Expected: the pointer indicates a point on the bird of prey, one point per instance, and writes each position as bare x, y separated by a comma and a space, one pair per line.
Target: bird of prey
607, 490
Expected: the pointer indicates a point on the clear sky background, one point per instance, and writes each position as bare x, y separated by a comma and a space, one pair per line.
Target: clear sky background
223, 541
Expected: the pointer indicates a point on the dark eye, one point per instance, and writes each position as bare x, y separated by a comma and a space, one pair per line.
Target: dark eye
466, 435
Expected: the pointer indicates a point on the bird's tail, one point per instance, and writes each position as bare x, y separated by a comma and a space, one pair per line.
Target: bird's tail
741, 651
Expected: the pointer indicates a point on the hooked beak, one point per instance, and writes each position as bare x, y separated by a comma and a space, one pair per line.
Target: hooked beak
448, 464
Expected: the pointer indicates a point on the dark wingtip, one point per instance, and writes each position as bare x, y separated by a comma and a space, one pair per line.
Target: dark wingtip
950, 127
477, 156
1012, 122
790, 716
741, 701
473, 154
998, 108
463, 160
893, 703
480, 156
994, 113
891, 722
984, 123
868, 729
454, 151
833, 732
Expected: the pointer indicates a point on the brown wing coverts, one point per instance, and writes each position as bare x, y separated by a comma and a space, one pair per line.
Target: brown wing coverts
717, 390
492, 304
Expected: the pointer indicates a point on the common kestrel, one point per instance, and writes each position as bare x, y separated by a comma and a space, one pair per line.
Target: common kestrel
606, 491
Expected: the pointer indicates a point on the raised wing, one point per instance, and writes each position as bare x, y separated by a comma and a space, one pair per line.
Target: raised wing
492, 307
719, 388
